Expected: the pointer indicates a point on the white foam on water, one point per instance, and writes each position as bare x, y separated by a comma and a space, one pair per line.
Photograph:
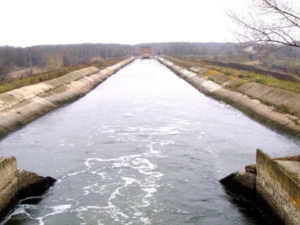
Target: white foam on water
128, 115
149, 192
55, 210
31, 207
94, 207
144, 182
60, 208
19, 210
31, 198
155, 152
137, 214
75, 173
107, 131
118, 165
139, 109
171, 130
129, 180
90, 186
145, 220
167, 142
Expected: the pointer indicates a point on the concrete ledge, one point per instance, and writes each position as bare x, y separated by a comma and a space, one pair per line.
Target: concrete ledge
242, 183
31, 184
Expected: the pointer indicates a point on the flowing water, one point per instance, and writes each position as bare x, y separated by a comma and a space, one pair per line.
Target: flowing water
143, 148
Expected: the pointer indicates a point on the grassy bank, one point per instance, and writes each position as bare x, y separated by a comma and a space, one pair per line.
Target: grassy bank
100, 64
249, 76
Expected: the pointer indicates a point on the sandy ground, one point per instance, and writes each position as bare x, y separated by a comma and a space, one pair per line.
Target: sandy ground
254, 63
23, 73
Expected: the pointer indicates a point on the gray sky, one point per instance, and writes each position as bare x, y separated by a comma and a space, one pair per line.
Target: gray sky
37, 22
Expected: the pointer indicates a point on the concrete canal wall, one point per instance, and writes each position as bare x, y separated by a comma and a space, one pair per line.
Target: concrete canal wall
258, 101
8, 184
16, 184
20, 106
273, 185
278, 186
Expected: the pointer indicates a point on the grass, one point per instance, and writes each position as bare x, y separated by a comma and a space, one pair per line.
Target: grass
246, 75
212, 73
56, 73
279, 108
291, 61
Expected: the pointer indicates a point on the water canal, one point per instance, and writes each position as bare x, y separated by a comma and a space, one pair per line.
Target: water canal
144, 147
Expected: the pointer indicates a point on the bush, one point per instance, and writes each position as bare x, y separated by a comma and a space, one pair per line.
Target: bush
97, 61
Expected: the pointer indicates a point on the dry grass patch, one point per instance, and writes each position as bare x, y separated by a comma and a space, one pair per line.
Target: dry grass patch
246, 75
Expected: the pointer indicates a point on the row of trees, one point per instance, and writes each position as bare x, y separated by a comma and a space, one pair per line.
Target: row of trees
55, 56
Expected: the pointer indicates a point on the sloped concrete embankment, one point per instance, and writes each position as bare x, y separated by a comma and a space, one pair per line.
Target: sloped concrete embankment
273, 185
20, 106
260, 102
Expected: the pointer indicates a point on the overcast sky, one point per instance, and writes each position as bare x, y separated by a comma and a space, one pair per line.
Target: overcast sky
37, 22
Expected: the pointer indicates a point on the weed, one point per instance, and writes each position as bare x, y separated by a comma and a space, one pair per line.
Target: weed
282, 109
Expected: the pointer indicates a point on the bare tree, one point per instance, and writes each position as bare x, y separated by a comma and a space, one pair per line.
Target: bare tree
269, 23
4, 69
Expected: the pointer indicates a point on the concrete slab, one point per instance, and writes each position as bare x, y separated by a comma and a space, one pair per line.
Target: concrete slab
211, 86
291, 166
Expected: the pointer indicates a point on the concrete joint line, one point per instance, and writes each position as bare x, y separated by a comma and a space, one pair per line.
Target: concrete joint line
18, 112
5, 128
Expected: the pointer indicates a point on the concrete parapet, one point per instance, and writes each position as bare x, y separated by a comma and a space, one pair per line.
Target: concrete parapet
278, 188
20, 106
8, 185
273, 185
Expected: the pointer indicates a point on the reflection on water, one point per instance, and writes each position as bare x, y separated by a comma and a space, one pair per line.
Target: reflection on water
142, 148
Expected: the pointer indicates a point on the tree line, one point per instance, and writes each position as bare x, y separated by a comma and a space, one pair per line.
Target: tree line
57, 56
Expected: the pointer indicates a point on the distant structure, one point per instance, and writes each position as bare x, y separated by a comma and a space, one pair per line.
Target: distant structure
249, 49
146, 52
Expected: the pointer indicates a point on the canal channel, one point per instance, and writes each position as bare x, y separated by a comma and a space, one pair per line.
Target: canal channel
144, 147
